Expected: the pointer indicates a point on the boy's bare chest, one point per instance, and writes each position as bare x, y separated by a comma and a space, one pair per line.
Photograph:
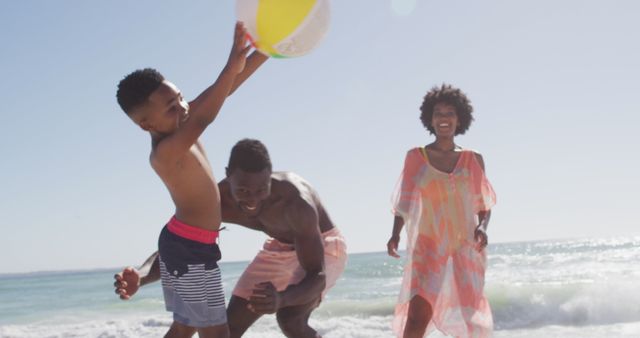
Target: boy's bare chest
194, 159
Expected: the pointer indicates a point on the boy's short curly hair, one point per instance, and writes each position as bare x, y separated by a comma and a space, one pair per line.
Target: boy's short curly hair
136, 88
249, 155
449, 95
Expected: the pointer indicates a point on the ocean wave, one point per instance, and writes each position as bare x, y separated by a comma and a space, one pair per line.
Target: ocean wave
361, 308
533, 306
527, 306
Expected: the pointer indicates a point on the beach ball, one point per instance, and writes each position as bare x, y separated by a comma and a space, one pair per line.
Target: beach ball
284, 28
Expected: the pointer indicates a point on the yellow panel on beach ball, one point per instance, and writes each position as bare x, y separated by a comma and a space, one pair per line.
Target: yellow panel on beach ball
284, 28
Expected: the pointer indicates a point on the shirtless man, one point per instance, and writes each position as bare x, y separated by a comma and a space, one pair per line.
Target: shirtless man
301, 260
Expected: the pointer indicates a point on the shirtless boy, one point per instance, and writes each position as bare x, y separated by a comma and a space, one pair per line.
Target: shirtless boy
188, 252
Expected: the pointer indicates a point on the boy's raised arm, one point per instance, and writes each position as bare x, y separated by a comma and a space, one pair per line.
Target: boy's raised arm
255, 60
208, 103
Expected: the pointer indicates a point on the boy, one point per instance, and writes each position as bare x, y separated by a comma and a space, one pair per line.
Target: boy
187, 244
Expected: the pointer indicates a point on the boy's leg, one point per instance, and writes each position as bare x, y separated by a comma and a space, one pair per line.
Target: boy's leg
239, 317
192, 285
294, 320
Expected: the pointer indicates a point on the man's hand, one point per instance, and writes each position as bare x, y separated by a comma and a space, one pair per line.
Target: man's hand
265, 299
481, 238
239, 50
127, 282
392, 246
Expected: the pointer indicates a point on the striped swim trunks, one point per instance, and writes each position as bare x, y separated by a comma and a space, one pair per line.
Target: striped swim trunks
191, 280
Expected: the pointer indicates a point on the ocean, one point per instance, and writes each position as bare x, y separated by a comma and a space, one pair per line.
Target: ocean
556, 288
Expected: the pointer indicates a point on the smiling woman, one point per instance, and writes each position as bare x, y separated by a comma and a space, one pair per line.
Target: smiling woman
444, 198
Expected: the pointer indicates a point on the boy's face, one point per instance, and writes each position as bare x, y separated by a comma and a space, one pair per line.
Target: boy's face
163, 112
249, 190
444, 120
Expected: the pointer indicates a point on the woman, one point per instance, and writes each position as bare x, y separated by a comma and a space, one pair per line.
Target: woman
444, 199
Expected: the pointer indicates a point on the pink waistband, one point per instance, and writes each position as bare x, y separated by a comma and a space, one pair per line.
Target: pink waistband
190, 232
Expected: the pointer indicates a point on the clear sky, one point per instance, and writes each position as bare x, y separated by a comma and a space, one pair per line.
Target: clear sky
554, 85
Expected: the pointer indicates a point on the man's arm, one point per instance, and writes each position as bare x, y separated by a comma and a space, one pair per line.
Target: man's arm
207, 104
130, 280
310, 251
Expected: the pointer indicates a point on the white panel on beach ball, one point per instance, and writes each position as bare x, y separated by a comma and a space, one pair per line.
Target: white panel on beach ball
284, 28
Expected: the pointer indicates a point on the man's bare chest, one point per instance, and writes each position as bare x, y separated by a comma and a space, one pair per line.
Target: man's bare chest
271, 222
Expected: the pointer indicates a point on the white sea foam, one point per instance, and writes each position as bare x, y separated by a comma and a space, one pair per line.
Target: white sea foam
337, 327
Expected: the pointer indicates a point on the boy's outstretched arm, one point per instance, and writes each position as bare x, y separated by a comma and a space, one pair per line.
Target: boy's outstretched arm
254, 61
130, 280
208, 103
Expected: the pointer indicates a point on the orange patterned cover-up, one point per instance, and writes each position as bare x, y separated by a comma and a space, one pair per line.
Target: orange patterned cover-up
443, 264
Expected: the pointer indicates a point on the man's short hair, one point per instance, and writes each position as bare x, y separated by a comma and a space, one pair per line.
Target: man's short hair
135, 88
249, 155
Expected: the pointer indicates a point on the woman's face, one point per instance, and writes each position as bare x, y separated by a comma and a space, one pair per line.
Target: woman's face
444, 120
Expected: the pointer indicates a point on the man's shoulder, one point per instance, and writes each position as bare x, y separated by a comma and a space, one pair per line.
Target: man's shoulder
292, 186
286, 183
286, 177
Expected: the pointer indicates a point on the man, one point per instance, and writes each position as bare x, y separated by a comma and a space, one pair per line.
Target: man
298, 264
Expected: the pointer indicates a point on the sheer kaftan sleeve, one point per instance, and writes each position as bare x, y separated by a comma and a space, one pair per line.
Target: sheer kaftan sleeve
407, 193
484, 196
